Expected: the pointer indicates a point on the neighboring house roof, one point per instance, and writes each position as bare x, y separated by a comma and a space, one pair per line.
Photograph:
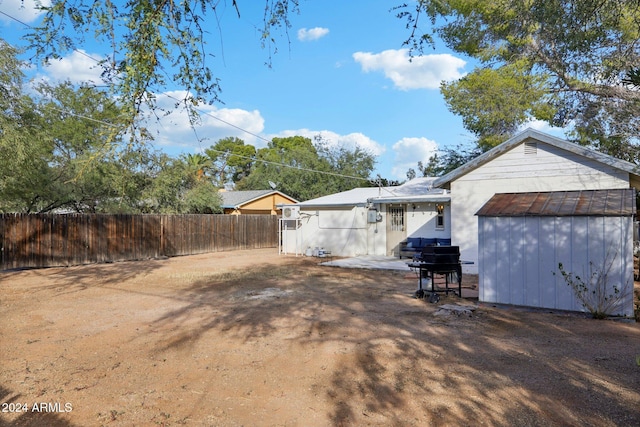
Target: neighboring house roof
620, 202
541, 137
415, 190
236, 199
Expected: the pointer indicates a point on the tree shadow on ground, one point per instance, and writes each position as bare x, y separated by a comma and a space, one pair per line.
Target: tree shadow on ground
444, 370
78, 278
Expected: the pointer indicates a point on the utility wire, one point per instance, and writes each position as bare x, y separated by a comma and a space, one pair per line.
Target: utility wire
252, 158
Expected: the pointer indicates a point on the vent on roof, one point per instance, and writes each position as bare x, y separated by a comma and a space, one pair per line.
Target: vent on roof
530, 148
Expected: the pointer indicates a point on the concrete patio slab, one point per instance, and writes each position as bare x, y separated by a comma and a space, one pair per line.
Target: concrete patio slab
373, 262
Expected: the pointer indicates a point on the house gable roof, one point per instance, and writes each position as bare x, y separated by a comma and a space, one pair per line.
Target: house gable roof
618, 202
532, 134
236, 199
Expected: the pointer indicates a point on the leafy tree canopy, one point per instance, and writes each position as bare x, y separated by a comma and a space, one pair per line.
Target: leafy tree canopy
61, 150
152, 42
576, 56
445, 161
494, 102
231, 160
305, 170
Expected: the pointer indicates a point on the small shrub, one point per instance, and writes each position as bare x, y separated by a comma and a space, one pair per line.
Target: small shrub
594, 293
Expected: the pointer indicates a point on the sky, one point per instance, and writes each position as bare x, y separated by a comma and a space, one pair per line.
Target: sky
341, 72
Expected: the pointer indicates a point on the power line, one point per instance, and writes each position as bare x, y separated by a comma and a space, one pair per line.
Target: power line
252, 158
221, 120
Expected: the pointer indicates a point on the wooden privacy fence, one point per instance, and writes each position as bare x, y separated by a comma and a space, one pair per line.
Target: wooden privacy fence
48, 240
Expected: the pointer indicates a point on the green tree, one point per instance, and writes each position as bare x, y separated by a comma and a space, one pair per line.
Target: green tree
62, 149
446, 160
174, 187
19, 132
289, 163
349, 168
305, 170
54, 157
232, 160
167, 184
152, 42
493, 103
379, 181
197, 166
633, 78
83, 130
572, 55
202, 198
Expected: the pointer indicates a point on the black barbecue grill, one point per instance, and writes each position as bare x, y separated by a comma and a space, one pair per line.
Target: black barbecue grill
442, 260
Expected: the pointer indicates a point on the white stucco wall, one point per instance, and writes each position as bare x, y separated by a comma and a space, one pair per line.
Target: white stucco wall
346, 232
343, 231
421, 221
549, 169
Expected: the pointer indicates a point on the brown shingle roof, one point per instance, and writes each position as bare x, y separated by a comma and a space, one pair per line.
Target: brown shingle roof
618, 202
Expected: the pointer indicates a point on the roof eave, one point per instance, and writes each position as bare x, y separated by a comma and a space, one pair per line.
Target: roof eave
304, 205
412, 199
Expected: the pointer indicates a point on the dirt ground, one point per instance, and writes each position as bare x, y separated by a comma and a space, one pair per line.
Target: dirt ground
253, 338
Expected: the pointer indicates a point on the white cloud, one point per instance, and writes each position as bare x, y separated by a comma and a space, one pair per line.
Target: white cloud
305, 35
349, 141
421, 72
23, 10
175, 130
545, 127
78, 67
408, 151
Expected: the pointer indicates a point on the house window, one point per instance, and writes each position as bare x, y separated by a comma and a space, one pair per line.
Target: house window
439, 217
397, 218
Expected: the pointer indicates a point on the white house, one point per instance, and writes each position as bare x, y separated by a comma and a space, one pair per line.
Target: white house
374, 220
367, 221
531, 161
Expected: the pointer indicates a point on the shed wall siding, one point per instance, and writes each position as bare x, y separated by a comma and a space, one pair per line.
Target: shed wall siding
550, 169
519, 255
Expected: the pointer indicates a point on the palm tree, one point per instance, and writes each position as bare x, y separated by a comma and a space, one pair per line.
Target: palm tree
197, 165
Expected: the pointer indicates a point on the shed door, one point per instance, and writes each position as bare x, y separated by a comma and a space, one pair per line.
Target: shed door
396, 229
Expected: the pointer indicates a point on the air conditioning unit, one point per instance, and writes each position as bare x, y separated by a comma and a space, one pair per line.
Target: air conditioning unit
291, 212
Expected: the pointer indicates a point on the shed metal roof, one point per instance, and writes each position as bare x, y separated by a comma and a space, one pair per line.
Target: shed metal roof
617, 202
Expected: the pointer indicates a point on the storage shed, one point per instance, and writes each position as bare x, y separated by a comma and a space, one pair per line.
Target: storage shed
531, 161
523, 237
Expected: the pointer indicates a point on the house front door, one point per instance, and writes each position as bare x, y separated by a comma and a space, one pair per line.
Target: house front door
396, 228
